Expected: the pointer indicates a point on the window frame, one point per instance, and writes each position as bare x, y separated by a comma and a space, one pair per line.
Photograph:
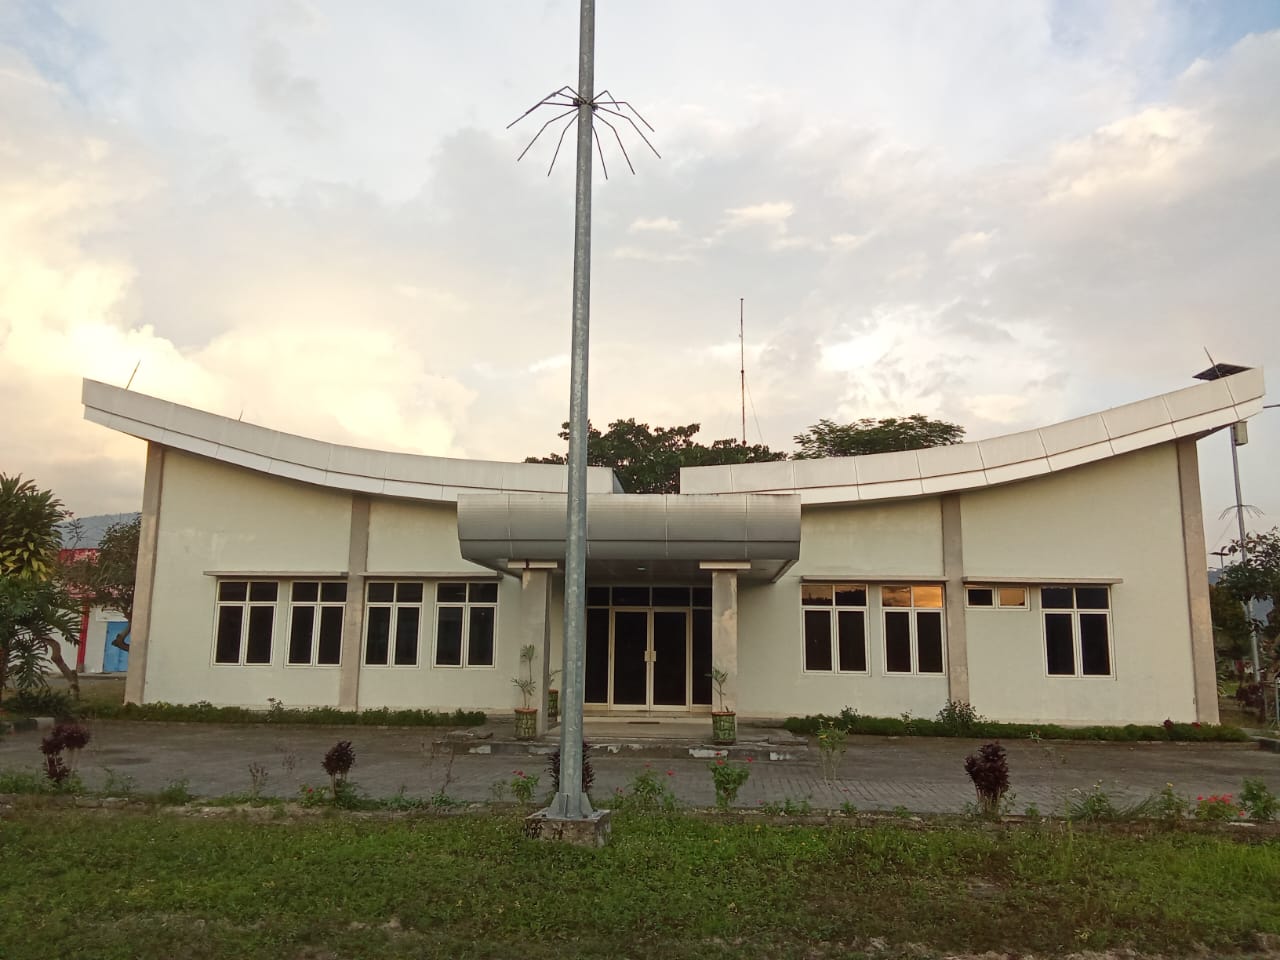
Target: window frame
246, 606
996, 601
1077, 639
318, 605
833, 609
393, 628
913, 611
466, 606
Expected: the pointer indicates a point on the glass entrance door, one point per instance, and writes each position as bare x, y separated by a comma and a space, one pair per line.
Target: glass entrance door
669, 659
631, 658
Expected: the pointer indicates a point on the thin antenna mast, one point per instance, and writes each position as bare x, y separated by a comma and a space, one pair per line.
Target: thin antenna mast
742, 372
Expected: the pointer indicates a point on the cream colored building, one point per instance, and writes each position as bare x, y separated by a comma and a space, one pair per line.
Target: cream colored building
1055, 575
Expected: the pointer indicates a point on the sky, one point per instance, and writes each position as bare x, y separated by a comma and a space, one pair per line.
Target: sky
309, 214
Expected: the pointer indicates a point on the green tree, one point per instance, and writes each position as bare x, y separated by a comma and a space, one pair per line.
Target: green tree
648, 460
1230, 624
1257, 578
34, 603
826, 438
29, 537
107, 579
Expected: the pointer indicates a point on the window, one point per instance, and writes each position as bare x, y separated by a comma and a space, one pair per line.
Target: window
246, 621
835, 627
1006, 598
1077, 631
466, 624
316, 612
393, 619
912, 628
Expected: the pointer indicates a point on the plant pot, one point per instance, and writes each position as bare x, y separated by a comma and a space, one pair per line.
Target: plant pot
526, 723
553, 704
724, 726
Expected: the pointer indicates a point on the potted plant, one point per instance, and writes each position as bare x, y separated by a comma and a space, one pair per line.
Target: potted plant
526, 716
553, 697
724, 723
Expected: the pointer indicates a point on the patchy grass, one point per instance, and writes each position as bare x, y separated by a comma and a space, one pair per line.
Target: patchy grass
160, 885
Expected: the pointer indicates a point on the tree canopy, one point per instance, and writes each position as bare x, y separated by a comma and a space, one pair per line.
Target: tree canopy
34, 602
1257, 578
826, 438
648, 459
107, 579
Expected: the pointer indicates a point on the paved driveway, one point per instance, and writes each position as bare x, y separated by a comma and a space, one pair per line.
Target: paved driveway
923, 775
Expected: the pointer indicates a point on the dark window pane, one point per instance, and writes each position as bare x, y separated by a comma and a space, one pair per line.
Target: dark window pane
330, 635
817, 639
382, 592
407, 635
670, 658
1059, 645
258, 648
851, 595
306, 591
928, 642
377, 635
480, 637
449, 636
981, 597
483, 593
596, 689
1056, 598
598, 596
409, 592
631, 597
227, 649
897, 642
304, 619
701, 656
451, 593
233, 590
852, 625
671, 596
701, 598
816, 594
334, 591
264, 590
1095, 652
1091, 598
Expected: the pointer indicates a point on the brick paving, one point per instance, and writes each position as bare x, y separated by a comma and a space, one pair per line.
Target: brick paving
876, 773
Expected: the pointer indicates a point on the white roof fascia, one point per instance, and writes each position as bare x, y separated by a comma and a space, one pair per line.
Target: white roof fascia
1190, 412
407, 476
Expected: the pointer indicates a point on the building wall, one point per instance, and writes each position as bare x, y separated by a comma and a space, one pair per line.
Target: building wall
216, 517
1118, 518
884, 539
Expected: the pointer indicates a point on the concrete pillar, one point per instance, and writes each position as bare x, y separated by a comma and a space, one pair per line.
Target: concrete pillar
535, 624
724, 625
1200, 622
953, 574
145, 576
353, 622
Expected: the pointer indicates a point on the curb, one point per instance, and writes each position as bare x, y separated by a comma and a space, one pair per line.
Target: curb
1270, 744
669, 749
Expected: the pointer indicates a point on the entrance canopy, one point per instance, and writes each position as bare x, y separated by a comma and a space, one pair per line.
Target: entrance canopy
636, 536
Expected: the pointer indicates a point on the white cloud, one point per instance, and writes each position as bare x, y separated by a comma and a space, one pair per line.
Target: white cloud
654, 225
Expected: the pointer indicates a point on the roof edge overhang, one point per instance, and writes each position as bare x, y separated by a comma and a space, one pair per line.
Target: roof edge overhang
357, 469
1189, 413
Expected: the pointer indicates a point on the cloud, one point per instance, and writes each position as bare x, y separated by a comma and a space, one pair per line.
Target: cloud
1058, 232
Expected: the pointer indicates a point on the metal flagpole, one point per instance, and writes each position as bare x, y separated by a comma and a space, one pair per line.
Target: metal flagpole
571, 802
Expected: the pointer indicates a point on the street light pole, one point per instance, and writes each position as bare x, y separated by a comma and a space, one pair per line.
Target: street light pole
1244, 551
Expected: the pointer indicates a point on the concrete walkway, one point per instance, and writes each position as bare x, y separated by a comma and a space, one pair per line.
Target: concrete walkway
876, 773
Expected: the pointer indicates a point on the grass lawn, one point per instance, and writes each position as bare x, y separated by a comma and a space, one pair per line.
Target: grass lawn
108, 884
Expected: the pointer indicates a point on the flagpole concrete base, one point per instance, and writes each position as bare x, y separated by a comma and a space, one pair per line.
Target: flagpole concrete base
592, 830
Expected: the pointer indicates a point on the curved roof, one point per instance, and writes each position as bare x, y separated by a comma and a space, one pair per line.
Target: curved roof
1190, 412
246, 445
